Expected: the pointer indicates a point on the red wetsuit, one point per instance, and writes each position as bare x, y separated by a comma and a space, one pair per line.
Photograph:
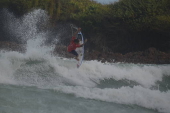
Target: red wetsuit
72, 45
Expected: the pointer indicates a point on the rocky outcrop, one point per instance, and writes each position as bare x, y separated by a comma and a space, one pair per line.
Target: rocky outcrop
11, 46
149, 56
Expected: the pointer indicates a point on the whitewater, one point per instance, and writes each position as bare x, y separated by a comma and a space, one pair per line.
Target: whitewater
36, 81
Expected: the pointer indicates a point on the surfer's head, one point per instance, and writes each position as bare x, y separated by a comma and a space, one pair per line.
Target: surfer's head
76, 41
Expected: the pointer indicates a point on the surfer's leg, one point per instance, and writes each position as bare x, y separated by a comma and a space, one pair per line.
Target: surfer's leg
75, 53
77, 58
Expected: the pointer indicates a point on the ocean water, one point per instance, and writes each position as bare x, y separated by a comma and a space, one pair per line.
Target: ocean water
36, 81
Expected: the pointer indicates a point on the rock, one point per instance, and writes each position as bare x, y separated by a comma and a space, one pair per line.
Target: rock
11, 46
149, 56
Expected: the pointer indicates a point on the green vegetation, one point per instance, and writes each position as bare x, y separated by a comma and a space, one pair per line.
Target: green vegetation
127, 25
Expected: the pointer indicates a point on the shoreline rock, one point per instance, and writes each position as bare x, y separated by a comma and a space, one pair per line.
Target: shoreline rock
149, 56
12, 46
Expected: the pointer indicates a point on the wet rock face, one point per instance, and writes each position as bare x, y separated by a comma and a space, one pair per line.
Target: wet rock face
149, 56
11, 46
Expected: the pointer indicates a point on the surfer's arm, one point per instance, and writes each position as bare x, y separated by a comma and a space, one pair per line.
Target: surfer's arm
83, 43
78, 30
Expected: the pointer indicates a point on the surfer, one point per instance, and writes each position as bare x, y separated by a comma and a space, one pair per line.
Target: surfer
74, 43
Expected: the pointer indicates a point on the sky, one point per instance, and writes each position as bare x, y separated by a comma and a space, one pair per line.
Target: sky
106, 1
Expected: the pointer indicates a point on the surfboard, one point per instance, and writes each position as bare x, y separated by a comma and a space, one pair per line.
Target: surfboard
80, 50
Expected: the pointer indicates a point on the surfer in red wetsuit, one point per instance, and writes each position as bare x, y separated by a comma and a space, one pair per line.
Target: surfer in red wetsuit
74, 44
